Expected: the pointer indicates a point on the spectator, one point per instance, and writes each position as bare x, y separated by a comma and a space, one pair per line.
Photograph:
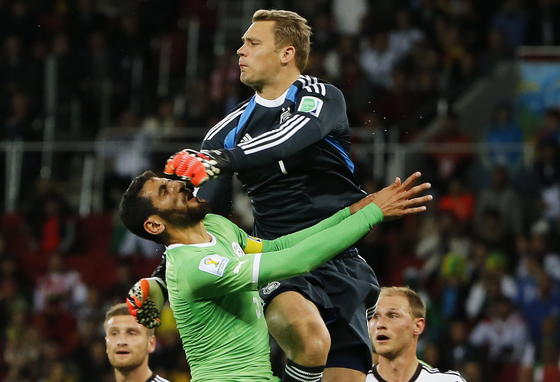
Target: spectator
547, 171
452, 157
542, 306
550, 130
505, 141
453, 286
544, 24
378, 59
163, 123
398, 103
497, 50
439, 237
549, 369
458, 201
511, 20
404, 35
492, 230
51, 221
19, 123
501, 196
348, 15
493, 282
59, 286
458, 351
504, 337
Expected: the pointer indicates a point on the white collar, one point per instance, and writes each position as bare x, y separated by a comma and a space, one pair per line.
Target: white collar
271, 102
211, 243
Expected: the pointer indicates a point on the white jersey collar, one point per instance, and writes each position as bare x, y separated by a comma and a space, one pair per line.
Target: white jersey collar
271, 102
209, 244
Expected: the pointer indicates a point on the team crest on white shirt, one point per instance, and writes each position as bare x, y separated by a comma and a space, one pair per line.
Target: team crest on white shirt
237, 249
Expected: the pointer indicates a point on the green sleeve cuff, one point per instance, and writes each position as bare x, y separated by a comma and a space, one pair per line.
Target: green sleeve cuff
373, 213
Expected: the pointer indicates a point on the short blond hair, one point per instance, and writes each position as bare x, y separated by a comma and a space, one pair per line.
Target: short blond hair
417, 306
122, 310
290, 29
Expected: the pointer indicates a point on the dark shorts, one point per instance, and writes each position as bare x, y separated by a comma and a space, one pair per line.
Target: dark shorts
342, 289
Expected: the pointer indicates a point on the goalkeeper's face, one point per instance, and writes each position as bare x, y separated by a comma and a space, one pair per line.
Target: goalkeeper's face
393, 328
128, 343
174, 201
260, 60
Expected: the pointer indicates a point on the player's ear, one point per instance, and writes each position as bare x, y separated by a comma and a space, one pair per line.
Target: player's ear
154, 225
287, 54
151, 343
419, 325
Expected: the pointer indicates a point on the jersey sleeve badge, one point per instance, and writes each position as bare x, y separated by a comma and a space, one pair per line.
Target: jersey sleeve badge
214, 264
311, 105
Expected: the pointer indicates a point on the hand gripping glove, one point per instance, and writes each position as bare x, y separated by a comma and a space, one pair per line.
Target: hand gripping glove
197, 167
145, 300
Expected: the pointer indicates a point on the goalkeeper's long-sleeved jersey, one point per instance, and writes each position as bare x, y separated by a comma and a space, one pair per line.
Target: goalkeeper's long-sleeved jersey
292, 156
213, 289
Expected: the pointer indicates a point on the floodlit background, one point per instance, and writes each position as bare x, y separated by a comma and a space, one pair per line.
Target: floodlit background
92, 92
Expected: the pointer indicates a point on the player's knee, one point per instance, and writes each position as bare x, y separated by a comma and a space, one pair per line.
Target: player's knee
310, 339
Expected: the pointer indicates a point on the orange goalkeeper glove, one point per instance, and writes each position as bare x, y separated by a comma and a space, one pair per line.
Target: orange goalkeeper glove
145, 300
197, 167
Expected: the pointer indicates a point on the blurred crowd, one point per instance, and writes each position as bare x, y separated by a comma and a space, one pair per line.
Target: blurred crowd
485, 257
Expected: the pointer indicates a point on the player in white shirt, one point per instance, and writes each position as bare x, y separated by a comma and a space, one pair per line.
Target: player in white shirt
129, 346
398, 320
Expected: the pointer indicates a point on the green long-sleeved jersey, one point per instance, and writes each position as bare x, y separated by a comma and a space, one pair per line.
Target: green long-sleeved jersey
213, 289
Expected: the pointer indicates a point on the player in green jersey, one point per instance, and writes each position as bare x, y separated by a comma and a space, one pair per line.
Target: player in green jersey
214, 269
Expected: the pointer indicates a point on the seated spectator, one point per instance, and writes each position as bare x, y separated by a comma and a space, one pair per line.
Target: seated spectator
378, 59
457, 348
454, 287
404, 35
23, 355
398, 103
511, 20
51, 221
493, 282
57, 324
472, 371
540, 307
505, 349
547, 171
458, 201
453, 155
124, 147
497, 51
541, 251
491, 229
61, 284
505, 140
544, 24
503, 197
438, 239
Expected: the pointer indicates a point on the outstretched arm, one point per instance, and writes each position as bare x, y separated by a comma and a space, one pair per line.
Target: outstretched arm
298, 253
398, 199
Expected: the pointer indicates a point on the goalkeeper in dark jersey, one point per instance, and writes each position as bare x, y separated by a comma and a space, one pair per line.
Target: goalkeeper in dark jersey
289, 145
214, 269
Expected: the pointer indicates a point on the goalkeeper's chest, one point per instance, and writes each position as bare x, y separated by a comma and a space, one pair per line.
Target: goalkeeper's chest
263, 120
